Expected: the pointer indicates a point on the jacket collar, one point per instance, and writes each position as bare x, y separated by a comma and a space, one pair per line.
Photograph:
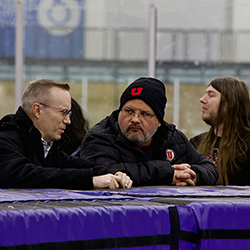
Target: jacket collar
21, 121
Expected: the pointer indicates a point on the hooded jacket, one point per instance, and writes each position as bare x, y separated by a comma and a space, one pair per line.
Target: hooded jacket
106, 146
22, 162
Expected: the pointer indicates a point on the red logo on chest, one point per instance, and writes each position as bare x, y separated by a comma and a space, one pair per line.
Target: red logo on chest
136, 91
170, 154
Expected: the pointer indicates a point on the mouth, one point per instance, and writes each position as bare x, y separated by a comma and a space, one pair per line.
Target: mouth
203, 109
134, 128
62, 130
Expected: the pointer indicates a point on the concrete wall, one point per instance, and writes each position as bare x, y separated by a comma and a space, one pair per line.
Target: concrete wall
179, 14
174, 19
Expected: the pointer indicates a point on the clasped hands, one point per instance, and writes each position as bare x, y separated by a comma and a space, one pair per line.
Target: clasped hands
184, 175
112, 181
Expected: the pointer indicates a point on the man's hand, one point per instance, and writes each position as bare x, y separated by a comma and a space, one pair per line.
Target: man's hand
126, 182
184, 175
119, 180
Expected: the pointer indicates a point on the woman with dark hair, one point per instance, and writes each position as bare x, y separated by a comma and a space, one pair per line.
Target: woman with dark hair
76, 130
226, 108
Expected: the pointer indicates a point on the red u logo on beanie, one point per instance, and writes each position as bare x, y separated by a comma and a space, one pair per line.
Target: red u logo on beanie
136, 91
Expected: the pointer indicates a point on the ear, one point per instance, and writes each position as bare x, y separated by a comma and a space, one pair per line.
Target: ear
36, 110
159, 124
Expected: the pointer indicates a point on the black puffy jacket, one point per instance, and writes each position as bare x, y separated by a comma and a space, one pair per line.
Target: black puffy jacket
105, 145
22, 163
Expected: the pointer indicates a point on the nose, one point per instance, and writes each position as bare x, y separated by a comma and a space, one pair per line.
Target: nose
66, 120
136, 117
203, 99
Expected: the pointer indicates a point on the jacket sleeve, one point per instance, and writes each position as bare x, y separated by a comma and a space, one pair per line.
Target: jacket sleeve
111, 158
205, 169
18, 171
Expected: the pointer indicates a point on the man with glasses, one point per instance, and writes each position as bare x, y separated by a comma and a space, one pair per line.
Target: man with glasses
32, 142
136, 139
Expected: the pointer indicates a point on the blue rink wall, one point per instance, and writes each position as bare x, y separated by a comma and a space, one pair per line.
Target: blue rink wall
138, 218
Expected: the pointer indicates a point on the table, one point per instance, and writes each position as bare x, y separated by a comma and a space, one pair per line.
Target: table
158, 217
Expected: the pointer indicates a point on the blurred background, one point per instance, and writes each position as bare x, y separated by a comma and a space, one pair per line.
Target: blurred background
100, 46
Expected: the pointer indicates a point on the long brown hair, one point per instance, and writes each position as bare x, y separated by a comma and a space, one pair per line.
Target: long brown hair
234, 114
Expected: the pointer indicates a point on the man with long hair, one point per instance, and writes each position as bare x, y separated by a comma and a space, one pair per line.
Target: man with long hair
226, 108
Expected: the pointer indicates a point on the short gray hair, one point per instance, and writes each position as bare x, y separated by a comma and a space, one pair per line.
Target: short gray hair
38, 91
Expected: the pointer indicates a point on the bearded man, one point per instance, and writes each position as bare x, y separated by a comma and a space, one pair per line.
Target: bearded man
136, 140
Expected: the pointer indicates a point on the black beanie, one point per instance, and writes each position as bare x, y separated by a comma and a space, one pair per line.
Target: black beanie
151, 91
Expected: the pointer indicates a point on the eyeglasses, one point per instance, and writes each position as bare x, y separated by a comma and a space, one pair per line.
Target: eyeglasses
64, 112
131, 113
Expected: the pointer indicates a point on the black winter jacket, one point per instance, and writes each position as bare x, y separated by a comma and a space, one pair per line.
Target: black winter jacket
105, 145
22, 163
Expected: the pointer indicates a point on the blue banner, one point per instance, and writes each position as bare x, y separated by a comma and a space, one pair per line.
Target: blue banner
53, 29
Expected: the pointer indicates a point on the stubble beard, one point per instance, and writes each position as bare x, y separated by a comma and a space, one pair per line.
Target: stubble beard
209, 120
139, 138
